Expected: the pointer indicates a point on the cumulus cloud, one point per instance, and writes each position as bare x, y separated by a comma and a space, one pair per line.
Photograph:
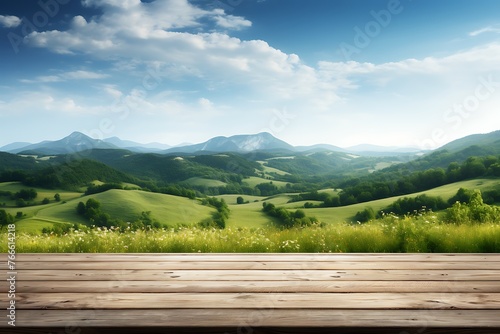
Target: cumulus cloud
9, 21
232, 22
178, 38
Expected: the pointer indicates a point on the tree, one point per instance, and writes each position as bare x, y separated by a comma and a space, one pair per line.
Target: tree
26, 194
267, 189
92, 204
364, 216
80, 209
5, 218
21, 203
240, 200
46, 201
57, 197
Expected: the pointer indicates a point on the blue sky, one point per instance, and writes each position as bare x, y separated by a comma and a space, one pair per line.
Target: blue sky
344, 72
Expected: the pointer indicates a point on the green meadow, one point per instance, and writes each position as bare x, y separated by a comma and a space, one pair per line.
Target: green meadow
248, 228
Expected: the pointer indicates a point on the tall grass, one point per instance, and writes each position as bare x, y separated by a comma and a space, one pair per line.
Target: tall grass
392, 234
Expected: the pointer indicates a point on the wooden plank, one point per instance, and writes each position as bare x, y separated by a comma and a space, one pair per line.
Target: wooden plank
258, 300
271, 257
246, 319
214, 290
258, 275
257, 286
255, 265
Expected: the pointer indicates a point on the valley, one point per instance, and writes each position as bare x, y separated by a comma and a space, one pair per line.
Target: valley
148, 193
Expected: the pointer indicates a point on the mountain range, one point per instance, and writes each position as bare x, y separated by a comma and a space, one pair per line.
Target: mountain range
77, 142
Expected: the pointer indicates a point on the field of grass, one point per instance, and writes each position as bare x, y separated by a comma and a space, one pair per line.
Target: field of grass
42, 193
268, 169
345, 213
253, 181
202, 182
173, 210
126, 205
249, 215
390, 235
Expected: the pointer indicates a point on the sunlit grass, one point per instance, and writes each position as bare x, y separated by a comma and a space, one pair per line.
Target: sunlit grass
392, 234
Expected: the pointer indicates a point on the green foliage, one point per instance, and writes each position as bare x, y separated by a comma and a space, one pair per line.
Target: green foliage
267, 189
219, 218
95, 189
26, 194
45, 201
91, 210
57, 197
21, 203
5, 218
463, 196
328, 200
475, 211
177, 190
73, 174
286, 218
416, 234
409, 205
365, 216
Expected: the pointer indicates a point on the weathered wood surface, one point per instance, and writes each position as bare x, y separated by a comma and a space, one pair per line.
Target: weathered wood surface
419, 291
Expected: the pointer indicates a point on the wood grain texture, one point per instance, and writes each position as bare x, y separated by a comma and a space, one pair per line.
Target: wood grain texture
257, 300
273, 257
257, 275
261, 317
278, 293
258, 286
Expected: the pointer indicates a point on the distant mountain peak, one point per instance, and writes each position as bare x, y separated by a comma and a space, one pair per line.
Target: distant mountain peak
75, 142
236, 143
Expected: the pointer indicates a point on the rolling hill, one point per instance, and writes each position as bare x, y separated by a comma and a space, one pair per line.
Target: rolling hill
126, 205
489, 142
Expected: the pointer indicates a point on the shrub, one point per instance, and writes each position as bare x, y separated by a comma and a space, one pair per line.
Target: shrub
476, 211
365, 216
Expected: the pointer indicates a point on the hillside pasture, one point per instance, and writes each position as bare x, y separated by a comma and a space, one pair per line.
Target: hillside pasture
126, 205
14, 187
345, 213
253, 181
268, 170
203, 182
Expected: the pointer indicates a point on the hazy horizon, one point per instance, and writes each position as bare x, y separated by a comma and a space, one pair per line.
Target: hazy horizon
347, 72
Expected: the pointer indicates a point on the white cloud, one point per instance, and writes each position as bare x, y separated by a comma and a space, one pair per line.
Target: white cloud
49, 102
83, 75
492, 29
232, 22
205, 103
73, 75
152, 33
464, 64
9, 21
112, 91
148, 41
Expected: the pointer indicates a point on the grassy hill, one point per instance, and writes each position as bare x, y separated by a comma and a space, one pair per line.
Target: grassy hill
126, 205
250, 214
491, 141
203, 182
